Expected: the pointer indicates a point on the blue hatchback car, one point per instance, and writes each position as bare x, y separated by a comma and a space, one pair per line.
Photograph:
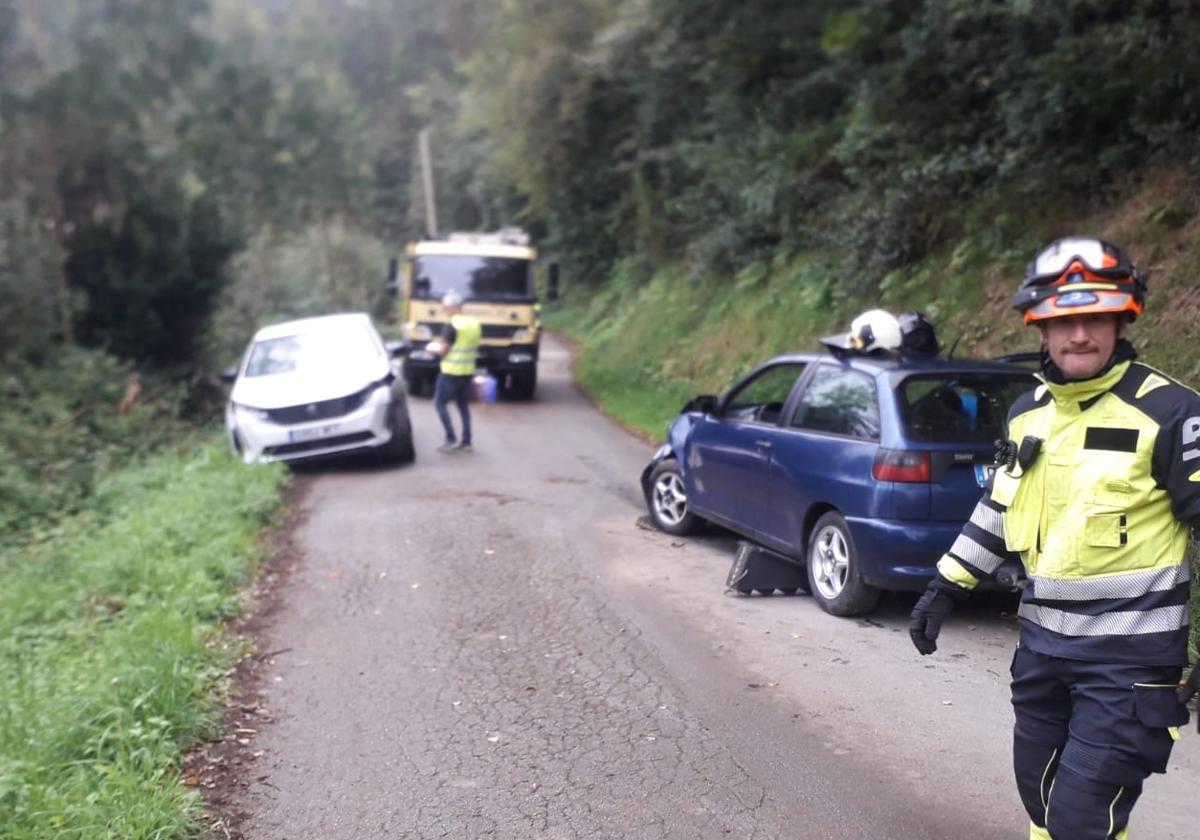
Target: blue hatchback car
863, 468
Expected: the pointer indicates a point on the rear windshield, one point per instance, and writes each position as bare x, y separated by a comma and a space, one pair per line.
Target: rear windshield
970, 408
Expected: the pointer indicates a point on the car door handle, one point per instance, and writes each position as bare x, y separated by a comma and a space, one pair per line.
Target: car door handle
763, 444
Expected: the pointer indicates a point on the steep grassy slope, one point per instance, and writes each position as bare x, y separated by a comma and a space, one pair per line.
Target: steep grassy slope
650, 343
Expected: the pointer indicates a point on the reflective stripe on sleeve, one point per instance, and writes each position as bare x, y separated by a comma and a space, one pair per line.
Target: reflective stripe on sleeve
970, 551
1159, 620
989, 519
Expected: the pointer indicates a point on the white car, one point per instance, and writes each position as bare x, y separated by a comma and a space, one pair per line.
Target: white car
317, 387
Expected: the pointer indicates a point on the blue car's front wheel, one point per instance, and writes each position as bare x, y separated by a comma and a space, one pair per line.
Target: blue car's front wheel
833, 570
667, 500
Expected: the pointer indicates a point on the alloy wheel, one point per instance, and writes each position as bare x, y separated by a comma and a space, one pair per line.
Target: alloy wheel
669, 499
830, 561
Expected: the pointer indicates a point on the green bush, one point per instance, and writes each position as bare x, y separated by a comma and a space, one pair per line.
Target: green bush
61, 429
106, 661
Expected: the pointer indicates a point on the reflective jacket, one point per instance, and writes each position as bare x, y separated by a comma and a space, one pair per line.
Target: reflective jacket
1100, 519
460, 359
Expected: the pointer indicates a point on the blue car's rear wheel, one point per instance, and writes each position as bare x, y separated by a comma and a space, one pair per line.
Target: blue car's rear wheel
667, 500
833, 572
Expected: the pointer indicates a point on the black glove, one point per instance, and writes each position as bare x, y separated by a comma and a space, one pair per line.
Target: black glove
1190, 689
931, 610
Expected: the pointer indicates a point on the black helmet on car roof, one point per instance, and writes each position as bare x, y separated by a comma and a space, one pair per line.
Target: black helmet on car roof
917, 336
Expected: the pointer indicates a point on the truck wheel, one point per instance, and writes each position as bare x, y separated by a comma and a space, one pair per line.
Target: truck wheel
419, 384
833, 573
523, 385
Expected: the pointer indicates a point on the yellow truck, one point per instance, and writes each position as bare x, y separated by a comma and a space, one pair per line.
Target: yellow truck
493, 272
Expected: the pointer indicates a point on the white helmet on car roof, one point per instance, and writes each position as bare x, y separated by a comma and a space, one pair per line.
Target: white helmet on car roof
875, 329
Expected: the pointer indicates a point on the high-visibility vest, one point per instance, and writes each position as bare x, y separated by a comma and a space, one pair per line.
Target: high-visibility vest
460, 360
1100, 519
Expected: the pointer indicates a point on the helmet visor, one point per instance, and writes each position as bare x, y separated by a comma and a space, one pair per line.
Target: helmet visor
1097, 256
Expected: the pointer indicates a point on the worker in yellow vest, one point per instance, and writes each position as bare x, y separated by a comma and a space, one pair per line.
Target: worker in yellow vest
1096, 492
457, 346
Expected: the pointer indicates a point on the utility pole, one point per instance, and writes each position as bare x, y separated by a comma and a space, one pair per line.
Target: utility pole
431, 224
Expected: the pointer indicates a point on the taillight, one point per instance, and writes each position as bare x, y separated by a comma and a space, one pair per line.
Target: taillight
901, 465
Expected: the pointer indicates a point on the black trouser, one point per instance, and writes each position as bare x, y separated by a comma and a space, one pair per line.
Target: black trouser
1087, 735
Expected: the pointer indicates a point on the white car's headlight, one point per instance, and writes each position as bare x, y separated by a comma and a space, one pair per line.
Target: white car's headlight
254, 413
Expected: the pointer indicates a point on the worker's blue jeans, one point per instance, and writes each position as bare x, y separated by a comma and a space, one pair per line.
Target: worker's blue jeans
457, 388
1087, 735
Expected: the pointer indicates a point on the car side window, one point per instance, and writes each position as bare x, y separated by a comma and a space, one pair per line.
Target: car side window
762, 398
840, 401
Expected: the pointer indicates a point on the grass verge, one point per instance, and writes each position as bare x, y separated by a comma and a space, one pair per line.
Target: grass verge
108, 660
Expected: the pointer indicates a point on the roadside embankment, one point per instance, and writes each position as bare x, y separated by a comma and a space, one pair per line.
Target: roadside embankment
111, 646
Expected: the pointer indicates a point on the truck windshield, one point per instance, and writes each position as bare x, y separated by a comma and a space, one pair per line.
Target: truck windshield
475, 278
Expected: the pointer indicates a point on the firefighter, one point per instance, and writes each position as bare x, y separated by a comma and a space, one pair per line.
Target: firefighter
1096, 492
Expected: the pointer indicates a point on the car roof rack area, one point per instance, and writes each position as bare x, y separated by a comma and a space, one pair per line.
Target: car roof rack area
1032, 357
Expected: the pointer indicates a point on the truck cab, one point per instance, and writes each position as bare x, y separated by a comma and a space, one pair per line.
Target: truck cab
493, 272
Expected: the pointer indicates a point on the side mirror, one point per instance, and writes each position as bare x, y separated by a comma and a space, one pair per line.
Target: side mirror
705, 404
229, 374
397, 349
393, 274
552, 278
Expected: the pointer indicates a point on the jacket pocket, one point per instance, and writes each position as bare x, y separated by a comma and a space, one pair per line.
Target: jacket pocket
1105, 530
1023, 509
1159, 710
1113, 492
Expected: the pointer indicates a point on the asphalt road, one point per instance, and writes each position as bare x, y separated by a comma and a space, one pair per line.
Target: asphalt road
486, 645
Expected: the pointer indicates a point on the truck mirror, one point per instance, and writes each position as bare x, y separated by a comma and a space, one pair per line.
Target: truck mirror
552, 272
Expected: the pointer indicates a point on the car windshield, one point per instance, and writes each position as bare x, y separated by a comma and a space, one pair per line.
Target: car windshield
475, 278
334, 349
966, 408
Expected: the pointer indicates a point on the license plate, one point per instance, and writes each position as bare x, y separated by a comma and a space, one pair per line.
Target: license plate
313, 433
984, 473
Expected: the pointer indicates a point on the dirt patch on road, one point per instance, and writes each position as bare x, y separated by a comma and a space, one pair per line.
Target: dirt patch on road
222, 769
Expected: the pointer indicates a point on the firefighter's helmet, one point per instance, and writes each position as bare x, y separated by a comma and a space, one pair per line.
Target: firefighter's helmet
917, 335
874, 330
1080, 275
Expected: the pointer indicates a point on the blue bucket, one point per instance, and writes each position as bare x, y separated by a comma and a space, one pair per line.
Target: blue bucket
486, 388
